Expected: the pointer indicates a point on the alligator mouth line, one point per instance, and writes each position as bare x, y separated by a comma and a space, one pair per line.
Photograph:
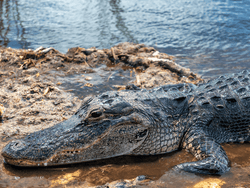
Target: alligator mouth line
21, 162
54, 159
32, 163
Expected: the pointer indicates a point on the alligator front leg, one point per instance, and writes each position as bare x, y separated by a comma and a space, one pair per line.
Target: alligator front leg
212, 157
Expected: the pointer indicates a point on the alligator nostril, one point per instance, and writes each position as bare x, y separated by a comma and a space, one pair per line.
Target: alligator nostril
17, 145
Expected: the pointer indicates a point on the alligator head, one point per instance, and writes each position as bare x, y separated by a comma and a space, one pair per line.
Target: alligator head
105, 126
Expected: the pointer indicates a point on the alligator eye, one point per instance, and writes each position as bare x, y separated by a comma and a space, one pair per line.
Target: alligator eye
141, 134
96, 114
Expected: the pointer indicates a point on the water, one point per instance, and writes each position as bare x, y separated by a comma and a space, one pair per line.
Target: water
210, 37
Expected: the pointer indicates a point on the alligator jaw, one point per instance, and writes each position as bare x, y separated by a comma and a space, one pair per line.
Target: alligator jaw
83, 137
89, 152
21, 162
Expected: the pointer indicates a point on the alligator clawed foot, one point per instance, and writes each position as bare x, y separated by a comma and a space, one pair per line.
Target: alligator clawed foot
195, 167
187, 168
179, 168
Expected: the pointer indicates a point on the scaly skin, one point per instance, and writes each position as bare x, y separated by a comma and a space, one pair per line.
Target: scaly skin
147, 122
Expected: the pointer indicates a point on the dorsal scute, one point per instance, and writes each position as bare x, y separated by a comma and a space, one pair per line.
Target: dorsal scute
175, 94
172, 94
228, 94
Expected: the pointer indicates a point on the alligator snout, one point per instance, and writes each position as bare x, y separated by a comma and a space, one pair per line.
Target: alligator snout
12, 149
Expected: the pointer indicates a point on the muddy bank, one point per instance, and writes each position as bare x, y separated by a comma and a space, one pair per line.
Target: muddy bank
39, 88
35, 92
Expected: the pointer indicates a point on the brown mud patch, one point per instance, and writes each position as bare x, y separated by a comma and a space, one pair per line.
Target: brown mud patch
39, 88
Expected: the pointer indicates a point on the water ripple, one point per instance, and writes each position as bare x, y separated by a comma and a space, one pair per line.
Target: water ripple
210, 37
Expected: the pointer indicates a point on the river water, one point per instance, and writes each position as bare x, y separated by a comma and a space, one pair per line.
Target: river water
210, 37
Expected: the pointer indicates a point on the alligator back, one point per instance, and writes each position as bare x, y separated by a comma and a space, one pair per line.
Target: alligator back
222, 107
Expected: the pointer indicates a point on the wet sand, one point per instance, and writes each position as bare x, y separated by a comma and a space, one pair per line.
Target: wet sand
42, 87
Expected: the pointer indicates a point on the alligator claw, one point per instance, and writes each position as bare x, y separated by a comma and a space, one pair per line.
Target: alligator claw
201, 167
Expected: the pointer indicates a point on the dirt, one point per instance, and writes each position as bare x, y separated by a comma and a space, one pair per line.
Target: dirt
39, 88
32, 98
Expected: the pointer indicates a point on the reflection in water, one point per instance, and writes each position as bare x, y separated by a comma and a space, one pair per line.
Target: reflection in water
120, 23
19, 27
157, 168
111, 24
65, 179
208, 183
103, 171
11, 28
209, 37
4, 5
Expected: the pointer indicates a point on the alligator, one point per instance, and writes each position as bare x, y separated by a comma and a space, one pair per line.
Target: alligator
147, 122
